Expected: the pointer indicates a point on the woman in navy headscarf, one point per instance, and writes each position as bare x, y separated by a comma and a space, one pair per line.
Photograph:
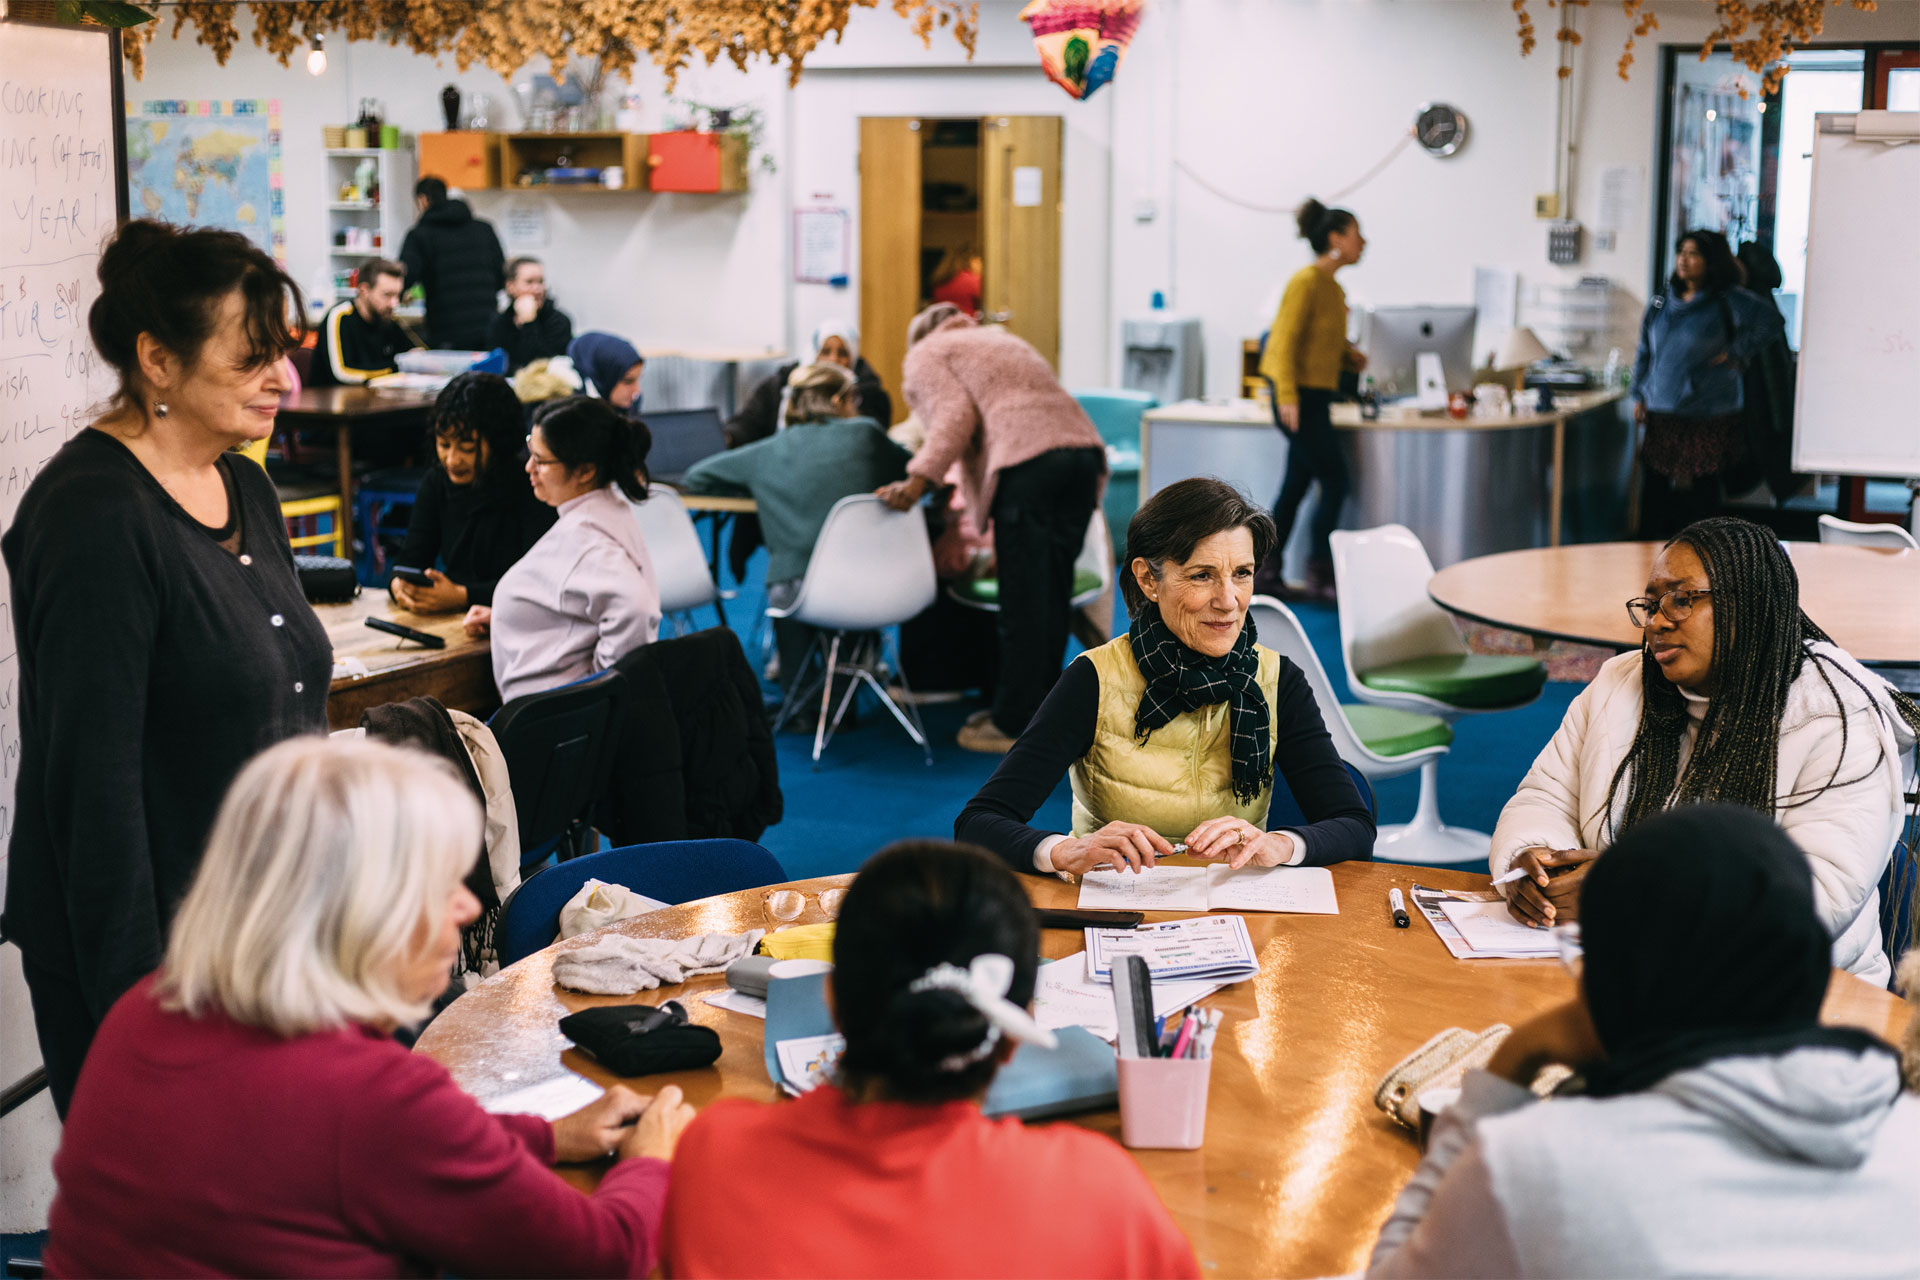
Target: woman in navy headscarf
611, 366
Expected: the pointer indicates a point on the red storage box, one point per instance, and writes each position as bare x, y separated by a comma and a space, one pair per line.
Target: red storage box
696, 162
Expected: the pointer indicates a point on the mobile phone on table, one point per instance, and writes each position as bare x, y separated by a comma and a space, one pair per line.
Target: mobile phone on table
1075, 918
406, 632
418, 577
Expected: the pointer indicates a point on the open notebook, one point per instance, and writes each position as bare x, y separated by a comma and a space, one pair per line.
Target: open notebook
1306, 890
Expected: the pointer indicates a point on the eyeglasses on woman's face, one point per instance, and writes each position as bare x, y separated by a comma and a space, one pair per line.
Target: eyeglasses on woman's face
535, 460
1675, 606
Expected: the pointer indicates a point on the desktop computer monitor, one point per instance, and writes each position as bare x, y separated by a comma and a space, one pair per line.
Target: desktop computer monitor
1395, 335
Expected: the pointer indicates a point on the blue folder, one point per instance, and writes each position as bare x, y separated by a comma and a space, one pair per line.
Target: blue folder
1079, 1074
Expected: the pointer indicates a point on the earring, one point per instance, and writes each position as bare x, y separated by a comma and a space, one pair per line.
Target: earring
1334, 254
159, 408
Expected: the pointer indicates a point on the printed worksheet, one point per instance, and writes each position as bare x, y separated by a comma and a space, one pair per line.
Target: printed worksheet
1300, 890
1063, 996
1210, 948
808, 1062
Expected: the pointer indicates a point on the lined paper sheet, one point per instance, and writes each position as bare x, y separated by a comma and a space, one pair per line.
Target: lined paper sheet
1154, 889
1489, 927
1301, 890
1307, 890
551, 1099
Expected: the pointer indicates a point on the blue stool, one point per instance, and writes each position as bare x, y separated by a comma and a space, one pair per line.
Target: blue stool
382, 508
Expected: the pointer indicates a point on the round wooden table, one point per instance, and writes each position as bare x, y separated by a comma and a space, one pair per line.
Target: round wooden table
1299, 1169
1868, 600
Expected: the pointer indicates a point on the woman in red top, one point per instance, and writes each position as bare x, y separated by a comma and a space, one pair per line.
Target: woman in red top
893, 1171
957, 280
247, 1112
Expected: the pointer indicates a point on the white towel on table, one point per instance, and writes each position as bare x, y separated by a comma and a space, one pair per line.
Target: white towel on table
619, 966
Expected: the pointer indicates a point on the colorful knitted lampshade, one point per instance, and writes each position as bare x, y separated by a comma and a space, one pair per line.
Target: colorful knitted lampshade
1081, 42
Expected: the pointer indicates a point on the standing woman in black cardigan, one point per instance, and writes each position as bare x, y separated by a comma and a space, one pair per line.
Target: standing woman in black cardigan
162, 634
475, 514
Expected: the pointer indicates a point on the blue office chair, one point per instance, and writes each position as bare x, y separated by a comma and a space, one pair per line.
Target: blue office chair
672, 871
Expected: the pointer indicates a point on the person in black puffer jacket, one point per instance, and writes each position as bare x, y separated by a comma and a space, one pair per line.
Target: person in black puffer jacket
456, 258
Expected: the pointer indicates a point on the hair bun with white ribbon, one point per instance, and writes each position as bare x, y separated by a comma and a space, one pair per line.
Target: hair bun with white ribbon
984, 984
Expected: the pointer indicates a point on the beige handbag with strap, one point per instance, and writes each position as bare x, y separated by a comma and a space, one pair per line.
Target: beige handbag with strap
1441, 1063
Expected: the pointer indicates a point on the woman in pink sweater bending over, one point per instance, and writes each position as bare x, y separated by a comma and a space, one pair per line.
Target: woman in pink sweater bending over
1032, 463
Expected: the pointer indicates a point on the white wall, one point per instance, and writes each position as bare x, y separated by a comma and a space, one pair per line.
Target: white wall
1275, 100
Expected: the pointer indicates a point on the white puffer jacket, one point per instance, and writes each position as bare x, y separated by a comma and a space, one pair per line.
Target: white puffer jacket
1847, 832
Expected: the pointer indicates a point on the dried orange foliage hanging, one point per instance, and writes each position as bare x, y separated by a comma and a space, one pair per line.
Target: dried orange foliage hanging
1759, 33
507, 34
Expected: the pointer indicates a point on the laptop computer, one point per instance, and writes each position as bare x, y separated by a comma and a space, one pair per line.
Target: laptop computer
681, 437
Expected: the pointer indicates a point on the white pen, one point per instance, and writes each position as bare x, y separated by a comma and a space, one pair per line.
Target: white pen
1518, 873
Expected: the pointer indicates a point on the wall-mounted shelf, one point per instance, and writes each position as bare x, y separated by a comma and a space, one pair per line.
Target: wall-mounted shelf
523, 152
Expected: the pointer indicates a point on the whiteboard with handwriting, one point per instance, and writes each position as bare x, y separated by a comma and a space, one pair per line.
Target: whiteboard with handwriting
1857, 408
62, 167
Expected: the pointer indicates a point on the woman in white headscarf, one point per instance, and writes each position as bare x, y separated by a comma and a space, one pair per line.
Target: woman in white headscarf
765, 412
834, 342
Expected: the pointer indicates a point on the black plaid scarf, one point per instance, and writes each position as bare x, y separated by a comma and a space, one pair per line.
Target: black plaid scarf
1180, 680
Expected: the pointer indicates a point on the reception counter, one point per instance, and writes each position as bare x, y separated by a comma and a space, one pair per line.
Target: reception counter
1468, 487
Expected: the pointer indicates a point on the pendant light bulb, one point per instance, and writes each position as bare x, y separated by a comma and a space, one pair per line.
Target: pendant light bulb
317, 57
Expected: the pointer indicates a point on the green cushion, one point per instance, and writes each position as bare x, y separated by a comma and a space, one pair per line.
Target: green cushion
987, 590
1388, 731
1461, 680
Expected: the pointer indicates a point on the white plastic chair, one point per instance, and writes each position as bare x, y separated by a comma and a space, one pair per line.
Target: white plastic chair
1386, 617
1849, 533
1096, 558
1279, 629
872, 568
679, 561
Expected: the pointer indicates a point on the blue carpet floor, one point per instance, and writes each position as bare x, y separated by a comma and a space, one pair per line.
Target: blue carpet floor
873, 787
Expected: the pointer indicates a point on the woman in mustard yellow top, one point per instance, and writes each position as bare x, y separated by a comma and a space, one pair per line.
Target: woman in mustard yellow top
1306, 350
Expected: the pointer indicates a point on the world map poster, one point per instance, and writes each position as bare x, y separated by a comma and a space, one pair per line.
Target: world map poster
208, 164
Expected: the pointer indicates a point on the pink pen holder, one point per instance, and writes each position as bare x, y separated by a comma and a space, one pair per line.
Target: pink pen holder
1163, 1102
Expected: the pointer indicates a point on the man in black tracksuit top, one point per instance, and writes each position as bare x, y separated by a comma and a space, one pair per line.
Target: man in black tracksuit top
456, 258
359, 339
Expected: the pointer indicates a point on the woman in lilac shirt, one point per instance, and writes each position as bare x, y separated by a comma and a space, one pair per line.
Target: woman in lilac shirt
585, 595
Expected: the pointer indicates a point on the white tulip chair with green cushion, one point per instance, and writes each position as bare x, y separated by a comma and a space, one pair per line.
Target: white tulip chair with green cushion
1092, 573
1403, 653
1381, 742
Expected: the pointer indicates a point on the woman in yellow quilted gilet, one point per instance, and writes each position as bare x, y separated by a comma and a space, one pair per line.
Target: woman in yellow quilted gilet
1172, 733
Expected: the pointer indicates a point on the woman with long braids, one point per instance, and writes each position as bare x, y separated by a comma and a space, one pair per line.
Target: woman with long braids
1176, 731
1736, 697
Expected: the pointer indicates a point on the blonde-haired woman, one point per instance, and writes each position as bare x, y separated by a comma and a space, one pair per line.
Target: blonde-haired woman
828, 452
245, 1111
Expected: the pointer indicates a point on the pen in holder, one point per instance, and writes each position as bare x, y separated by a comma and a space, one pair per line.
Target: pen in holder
1163, 1102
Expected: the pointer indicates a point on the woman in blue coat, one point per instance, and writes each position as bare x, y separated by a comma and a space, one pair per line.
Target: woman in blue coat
1687, 387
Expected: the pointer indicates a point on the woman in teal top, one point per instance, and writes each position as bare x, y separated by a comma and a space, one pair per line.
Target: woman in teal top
826, 453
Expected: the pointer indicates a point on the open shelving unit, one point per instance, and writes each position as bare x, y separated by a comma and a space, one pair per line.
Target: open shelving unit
385, 210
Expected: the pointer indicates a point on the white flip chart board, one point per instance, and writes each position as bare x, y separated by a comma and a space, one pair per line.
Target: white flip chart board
62, 191
1857, 407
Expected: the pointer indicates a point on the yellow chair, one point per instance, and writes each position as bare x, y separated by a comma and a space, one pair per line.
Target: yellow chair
328, 505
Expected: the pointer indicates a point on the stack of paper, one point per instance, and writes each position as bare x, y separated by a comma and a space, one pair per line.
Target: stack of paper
1065, 997
1306, 890
1208, 948
1482, 930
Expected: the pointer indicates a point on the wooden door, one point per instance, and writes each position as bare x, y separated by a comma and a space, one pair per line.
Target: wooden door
1020, 227
889, 245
